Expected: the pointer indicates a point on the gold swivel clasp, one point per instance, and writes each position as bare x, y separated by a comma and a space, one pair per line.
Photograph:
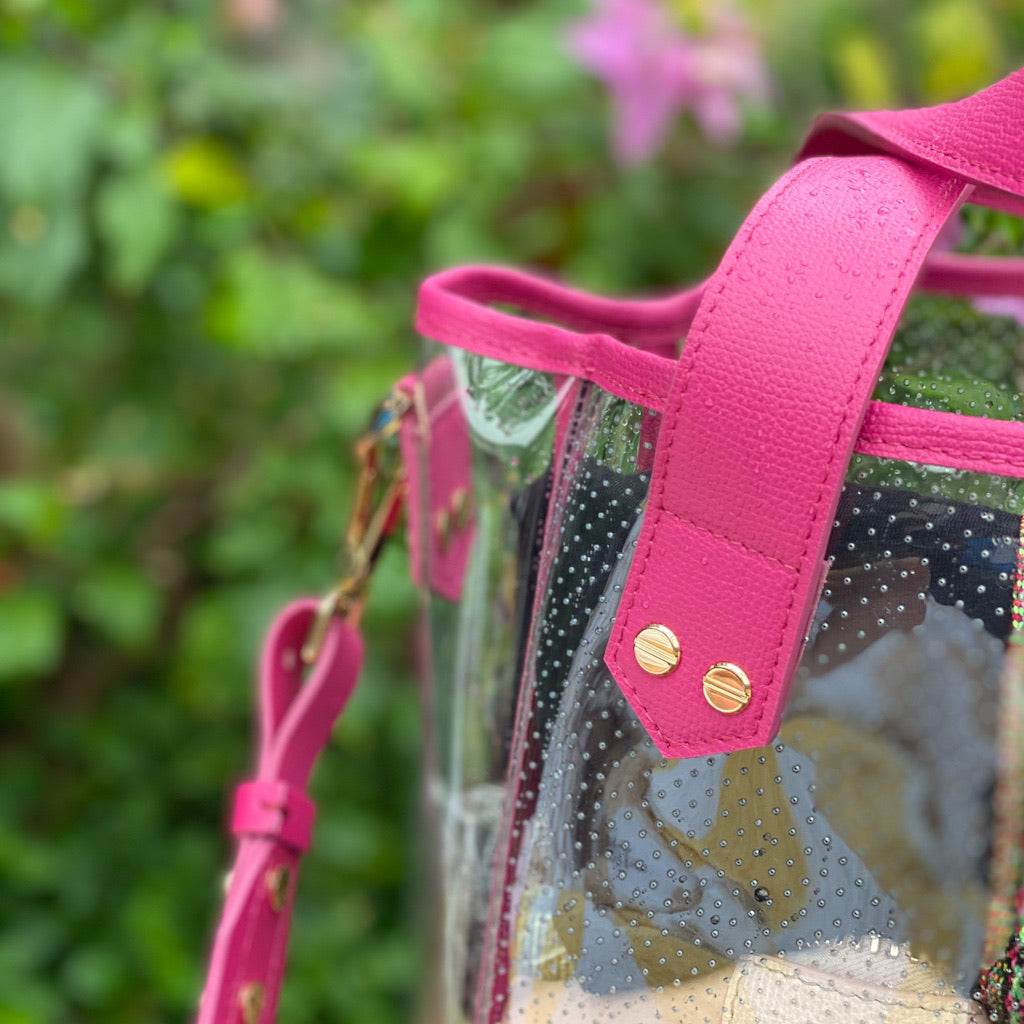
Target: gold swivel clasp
380, 490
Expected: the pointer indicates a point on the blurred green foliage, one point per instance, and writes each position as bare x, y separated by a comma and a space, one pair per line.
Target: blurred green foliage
210, 240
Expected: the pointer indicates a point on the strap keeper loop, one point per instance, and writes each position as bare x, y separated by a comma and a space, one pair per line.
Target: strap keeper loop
271, 809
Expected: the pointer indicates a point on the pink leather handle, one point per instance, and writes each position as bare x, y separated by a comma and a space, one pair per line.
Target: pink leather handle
273, 817
463, 298
771, 391
457, 307
977, 139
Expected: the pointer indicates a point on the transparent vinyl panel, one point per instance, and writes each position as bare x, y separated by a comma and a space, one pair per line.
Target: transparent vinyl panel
862, 867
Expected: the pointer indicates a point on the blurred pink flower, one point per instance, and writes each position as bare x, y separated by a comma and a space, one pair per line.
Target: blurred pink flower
1001, 305
252, 17
654, 70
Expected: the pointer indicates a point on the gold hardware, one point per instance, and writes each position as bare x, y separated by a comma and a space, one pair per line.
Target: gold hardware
726, 688
461, 508
656, 649
444, 529
455, 518
250, 1002
279, 881
380, 490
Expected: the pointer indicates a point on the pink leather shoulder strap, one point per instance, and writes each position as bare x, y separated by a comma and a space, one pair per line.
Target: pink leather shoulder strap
767, 402
977, 139
273, 817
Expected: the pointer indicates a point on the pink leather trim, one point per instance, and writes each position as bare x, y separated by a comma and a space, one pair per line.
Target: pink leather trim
455, 308
656, 324
957, 274
634, 374
977, 139
772, 387
948, 439
924, 436
438, 463
272, 809
296, 718
451, 309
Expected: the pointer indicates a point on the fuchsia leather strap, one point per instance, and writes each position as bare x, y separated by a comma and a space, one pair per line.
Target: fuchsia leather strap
456, 308
273, 817
976, 139
771, 390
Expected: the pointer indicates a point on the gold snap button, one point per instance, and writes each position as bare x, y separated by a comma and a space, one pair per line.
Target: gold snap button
250, 1002
726, 688
278, 880
656, 649
443, 524
461, 508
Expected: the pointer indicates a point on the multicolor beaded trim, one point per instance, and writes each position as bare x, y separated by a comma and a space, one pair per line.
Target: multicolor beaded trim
1018, 592
1000, 988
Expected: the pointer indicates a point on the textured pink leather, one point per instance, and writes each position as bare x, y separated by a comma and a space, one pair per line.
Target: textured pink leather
771, 390
650, 324
296, 718
452, 311
274, 810
438, 470
943, 439
957, 274
977, 139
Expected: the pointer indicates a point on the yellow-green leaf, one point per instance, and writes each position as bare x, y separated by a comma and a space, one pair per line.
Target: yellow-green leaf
205, 173
864, 69
960, 52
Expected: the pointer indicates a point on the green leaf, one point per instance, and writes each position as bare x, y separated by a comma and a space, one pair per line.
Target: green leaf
864, 68
130, 136
205, 173
93, 973
33, 634
281, 306
12, 1015
533, 39
44, 244
32, 510
49, 126
50, 123
417, 174
121, 602
960, 51
138, 220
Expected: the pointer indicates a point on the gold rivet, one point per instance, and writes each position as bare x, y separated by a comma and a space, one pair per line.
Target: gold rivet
444, 529
461, 508
278, 881
250, 1002
726, 688
656, 649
